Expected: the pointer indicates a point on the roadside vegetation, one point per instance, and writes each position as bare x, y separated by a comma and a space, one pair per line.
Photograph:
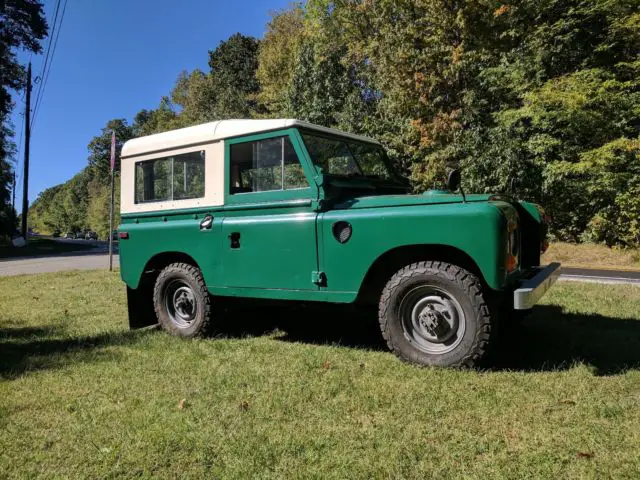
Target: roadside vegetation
592, 255
309, 394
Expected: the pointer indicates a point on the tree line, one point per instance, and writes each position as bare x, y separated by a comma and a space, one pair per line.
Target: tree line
22, 26
539, 99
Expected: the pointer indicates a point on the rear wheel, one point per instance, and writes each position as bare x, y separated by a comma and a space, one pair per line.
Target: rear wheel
181, 301
434, 313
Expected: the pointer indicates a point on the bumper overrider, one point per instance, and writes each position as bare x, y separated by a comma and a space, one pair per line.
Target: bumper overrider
532, 289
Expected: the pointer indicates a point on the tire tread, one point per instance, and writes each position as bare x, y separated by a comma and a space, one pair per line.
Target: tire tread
196, 275
469, 283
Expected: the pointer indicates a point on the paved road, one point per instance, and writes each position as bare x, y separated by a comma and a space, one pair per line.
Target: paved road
70, 261
600, 275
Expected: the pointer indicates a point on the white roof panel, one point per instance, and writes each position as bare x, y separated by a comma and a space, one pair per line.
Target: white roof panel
214, 131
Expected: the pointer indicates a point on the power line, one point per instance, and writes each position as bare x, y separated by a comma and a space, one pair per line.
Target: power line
53, 53
46, 69
48, 49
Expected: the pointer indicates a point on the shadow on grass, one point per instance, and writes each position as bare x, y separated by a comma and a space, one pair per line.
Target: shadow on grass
549, 339
324, 324
21, 333
30, 349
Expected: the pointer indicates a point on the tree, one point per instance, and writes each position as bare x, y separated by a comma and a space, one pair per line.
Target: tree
233, 77
520, 94
278, 53
100, 149
22, 26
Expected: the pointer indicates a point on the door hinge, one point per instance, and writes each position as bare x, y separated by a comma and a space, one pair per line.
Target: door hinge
319, 278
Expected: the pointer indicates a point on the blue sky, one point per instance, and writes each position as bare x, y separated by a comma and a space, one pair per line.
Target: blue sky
113, 58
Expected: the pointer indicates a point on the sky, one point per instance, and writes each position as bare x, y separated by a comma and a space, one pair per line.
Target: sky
114, 58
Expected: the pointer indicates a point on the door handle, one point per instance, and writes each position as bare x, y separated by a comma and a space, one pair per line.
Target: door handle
206, 223
235, 239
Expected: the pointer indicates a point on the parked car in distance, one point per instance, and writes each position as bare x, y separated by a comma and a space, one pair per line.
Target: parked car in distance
289, 211
91, 235
56, 233
70, 235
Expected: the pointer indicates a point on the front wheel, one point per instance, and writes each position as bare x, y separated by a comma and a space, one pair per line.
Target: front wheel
181, 301
434, 313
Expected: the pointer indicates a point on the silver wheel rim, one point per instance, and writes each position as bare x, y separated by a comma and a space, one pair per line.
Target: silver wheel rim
432, 319
180, 302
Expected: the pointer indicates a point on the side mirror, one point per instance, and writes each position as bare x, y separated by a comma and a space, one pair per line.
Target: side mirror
453, 180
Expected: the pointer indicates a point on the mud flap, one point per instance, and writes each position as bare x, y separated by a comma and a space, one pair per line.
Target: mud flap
140, 307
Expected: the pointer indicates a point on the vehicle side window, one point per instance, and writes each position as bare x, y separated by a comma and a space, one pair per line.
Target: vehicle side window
265, 165
178, 177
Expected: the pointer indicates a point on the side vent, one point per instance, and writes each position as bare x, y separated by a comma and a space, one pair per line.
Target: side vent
342, 231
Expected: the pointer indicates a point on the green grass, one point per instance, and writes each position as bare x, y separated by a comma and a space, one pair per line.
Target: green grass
41, 247
83, 397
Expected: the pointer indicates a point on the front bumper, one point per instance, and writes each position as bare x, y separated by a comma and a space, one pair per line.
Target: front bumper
532, 289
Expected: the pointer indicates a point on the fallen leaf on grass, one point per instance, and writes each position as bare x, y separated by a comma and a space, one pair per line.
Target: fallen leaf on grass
362, 365
326, 365
244, 406
585, 455
567, 402
182, 404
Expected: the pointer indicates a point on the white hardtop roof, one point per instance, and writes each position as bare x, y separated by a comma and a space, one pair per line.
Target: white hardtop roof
214, 131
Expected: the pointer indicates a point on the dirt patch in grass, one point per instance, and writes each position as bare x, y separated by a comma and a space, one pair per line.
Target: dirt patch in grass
309, 393
590, 255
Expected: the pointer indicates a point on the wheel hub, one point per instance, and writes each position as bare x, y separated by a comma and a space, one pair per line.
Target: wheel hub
432, 319
434, 323
181, 303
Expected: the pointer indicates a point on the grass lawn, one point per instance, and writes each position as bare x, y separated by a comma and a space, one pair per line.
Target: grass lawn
41, 247
295, 395
590, 255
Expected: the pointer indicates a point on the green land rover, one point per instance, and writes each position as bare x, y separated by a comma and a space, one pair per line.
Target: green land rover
287, 210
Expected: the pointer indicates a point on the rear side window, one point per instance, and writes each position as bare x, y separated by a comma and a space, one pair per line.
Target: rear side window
265, 165
178, 177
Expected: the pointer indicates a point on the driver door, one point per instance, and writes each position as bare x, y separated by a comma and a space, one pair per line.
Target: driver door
269, 228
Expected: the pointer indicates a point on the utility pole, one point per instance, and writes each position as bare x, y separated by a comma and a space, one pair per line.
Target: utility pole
27, 140
112, 162
13, 192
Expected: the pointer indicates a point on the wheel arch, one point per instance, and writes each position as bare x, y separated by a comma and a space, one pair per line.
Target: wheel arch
389, 262
140, 298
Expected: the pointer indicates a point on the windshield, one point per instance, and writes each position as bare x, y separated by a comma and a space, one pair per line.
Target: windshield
338, 156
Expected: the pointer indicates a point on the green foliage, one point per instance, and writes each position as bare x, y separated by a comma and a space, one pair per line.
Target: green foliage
539, 99
277, 58
98, 207
598, 195
100, 149
83, 202
233, 76
22, 27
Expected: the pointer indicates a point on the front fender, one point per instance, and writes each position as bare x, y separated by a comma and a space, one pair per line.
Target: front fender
477, 229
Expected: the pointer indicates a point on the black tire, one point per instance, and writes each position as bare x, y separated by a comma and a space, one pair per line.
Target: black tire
434, 314
182, 302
